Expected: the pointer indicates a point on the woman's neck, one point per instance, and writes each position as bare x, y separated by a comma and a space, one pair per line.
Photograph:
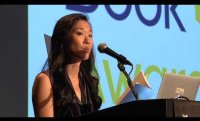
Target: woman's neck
73, 70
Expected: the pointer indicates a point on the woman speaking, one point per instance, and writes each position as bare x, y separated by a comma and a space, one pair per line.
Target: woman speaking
69, 86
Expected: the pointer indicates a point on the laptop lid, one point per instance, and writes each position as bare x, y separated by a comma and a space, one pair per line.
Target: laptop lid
174, 85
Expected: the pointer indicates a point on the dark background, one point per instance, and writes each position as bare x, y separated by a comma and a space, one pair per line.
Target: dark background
13, 60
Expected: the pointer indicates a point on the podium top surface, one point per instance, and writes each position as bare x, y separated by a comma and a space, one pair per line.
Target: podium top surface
151, 108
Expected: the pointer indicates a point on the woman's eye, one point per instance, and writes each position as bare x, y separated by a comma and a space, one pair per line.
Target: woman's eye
79, 33
90, 35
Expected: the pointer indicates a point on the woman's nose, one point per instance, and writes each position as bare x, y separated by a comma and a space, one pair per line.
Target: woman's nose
87, 39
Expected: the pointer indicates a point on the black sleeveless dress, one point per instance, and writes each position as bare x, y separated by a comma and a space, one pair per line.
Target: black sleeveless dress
67, 104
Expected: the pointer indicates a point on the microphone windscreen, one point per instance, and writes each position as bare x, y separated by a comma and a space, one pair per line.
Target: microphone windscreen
101, 47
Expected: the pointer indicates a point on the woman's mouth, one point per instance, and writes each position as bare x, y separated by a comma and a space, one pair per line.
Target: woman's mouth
86, 49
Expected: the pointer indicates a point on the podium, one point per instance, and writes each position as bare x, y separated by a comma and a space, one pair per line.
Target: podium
151, 108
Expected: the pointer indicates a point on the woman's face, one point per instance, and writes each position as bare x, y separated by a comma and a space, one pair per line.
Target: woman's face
80, 37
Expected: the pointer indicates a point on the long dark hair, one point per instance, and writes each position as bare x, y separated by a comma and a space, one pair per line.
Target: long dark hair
57, 59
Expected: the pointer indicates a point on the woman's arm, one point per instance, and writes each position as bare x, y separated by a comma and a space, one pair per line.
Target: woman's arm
42, 96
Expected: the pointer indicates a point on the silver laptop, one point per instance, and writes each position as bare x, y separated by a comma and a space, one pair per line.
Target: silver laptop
174, 86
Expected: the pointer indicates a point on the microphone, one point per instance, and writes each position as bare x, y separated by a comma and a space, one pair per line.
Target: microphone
103, 48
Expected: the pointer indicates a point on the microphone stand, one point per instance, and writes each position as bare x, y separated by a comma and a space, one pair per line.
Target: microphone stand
122, 68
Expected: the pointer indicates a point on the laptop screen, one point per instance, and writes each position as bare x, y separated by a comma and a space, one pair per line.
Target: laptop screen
174, 85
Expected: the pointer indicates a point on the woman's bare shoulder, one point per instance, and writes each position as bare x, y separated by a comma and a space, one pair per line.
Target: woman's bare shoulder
42, 81
42, 95
42, 76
